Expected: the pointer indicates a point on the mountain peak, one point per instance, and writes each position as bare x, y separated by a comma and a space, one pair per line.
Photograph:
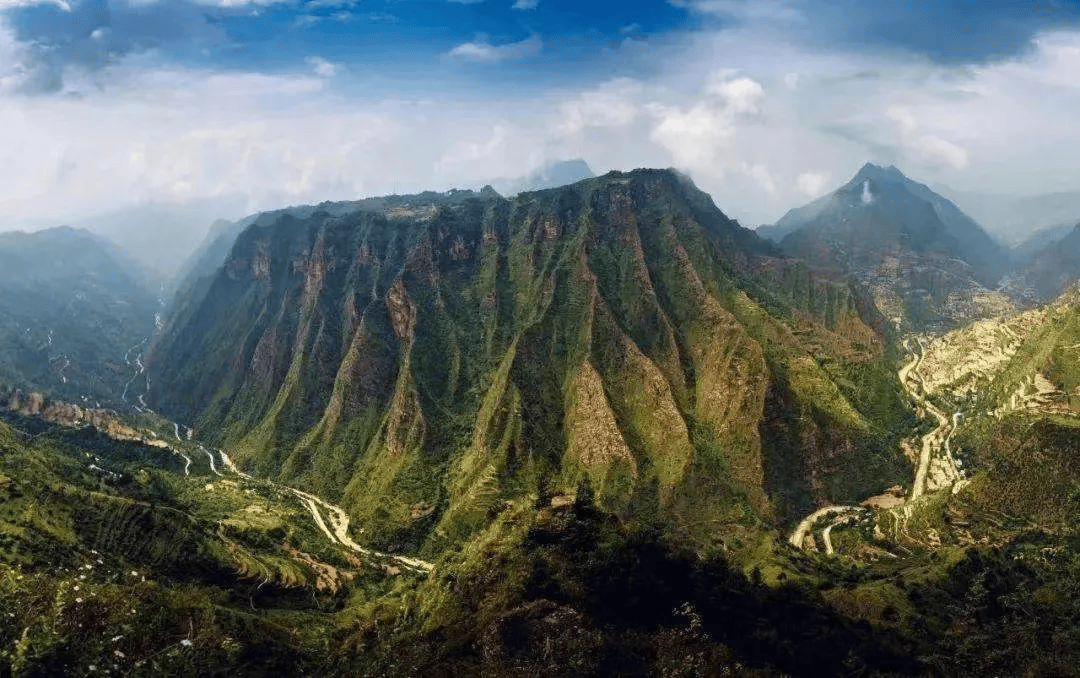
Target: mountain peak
873, 172
880, 212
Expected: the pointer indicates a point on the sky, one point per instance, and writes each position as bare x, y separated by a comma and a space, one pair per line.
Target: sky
105, 104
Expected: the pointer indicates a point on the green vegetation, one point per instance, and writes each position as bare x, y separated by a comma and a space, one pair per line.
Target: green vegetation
425, 361
596, 411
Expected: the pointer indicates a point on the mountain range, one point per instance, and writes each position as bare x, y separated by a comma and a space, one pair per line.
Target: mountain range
593, 428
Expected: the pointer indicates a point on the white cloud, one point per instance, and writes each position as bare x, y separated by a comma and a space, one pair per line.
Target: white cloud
482, 51
760, 173
926, 148
485, 148
322, 68
812, 184
742, 95
13, 59
9, 4
694, 136
761, 124
612, 104
525, 4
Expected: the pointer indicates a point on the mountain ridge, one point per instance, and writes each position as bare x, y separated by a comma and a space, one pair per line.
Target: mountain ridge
74, 305
513, 344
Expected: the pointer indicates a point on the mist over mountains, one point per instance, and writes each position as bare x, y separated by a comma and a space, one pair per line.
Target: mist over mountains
550, 175
74, 307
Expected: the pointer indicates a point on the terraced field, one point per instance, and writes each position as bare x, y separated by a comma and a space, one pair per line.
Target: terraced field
969, 380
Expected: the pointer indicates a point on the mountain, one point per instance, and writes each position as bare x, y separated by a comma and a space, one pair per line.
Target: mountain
593, 430
74, 314
925, 260
1013, 219
426, 359
1024, 252
161, 236
551, 175
1056, 265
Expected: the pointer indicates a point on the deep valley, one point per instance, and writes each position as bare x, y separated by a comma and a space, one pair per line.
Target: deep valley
593, 429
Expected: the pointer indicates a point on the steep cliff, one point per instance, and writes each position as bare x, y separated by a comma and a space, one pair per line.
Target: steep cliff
427, 359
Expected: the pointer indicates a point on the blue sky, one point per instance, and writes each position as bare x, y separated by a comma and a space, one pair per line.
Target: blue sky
106, 103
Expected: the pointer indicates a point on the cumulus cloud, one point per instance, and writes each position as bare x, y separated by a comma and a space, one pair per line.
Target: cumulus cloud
741, 95
482, 51
812, 184
762, 129
926, 148
694, 136
611, 104
175, 135
699, 137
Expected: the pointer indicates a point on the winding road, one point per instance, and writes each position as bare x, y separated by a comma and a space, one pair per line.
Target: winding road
337, 531
799, 535
936, 440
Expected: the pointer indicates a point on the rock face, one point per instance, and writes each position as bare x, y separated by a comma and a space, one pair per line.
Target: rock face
67, 414
461, 351
926, 262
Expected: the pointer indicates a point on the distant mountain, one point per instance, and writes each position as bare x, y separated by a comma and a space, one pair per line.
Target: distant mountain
161, 236
71, 307
551, 175
1014, 219
1056, 265
919, 253
1023, 253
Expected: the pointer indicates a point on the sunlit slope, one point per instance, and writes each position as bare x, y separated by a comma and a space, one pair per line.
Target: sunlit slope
429, 359
1009, 386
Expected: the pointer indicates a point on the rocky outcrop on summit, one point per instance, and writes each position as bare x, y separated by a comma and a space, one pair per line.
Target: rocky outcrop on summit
463, 352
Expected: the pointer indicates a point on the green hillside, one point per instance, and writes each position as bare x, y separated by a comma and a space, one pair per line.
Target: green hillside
430, 360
